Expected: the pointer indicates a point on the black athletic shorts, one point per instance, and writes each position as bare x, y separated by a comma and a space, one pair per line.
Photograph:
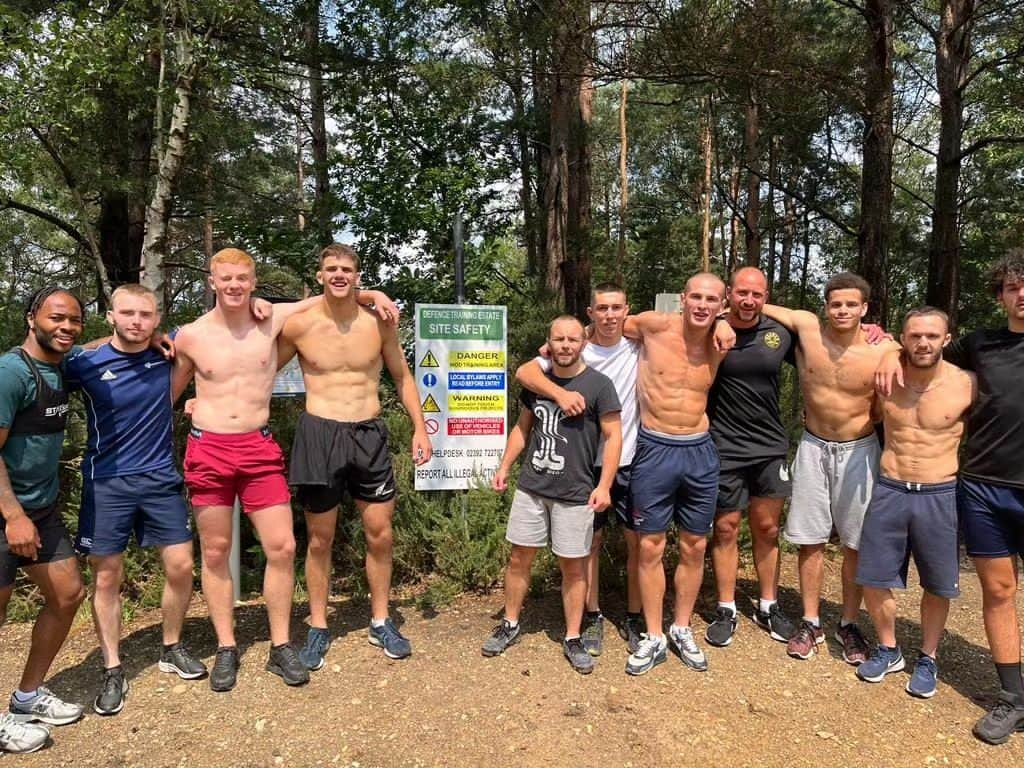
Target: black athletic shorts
54, 536
330, 457
620, 500
764, 478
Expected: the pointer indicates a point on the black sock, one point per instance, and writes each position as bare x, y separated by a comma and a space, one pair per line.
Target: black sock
593, 614
278, 647
171, 646
1010, 679
635, 616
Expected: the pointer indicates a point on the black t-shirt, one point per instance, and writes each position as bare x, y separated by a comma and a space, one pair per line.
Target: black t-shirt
560, 454
995, 423
743, 404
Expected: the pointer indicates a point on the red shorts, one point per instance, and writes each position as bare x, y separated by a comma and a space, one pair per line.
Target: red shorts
250, 466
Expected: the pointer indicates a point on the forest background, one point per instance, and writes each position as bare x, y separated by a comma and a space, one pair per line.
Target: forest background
574, 141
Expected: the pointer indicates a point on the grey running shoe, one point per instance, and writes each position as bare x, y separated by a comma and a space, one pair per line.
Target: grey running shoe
501, 638
225, 669
284, 662
855, 647
387, 637
21, 738
45, 708
577, 655
686, 645
632, 630
775, 623
318, 642
1002, 720
720, 631
882, 662
651, 652
178, 660
593, 634
110, 699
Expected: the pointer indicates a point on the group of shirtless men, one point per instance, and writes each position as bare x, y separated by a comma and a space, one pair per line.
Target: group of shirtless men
656, 418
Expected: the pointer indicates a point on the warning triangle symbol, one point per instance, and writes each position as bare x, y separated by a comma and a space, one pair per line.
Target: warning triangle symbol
430, 404
429, 361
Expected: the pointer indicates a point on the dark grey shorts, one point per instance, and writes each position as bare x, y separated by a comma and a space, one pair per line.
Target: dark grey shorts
56, 544
911, 518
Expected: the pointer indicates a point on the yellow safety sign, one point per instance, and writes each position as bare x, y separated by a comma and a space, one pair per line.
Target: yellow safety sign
429, 361
430, 405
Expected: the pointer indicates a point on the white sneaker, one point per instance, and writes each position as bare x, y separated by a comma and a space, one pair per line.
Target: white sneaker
689, 651
21, 738
45, 708
649, 654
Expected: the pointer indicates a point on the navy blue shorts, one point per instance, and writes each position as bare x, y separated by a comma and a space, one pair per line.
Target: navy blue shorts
620, 500
992, 518
150, 504
674, 478
910, 518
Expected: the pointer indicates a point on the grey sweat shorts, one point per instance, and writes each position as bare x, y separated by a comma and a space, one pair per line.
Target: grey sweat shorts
832, 486
533, 519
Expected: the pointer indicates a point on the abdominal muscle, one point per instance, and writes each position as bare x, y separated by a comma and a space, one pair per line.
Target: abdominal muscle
343, 395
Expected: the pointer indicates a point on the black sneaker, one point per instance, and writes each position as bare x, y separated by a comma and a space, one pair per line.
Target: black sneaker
775, 623
178, 660
225, 669
110, 699
631, 630
501, 638
284, 661
1002, 720
720, 631
577, 655
593, 634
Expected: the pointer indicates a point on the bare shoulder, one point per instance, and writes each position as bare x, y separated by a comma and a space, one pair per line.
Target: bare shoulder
655, 322
299, 324
961, 379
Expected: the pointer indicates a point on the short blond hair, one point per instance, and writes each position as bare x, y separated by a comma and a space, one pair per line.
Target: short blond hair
234, 256
132, 289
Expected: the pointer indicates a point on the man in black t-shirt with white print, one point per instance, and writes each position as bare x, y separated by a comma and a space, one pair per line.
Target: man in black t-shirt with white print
556, 498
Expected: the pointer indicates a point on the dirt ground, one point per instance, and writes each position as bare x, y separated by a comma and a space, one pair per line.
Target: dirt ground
448, 706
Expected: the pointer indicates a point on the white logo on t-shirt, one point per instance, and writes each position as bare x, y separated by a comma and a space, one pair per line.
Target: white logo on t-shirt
155, 362
108, 375
547, 458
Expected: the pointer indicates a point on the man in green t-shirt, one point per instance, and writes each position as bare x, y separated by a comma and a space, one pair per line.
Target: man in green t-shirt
33, 411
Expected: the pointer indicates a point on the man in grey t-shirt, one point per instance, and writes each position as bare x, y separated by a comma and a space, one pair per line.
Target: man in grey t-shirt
556, 497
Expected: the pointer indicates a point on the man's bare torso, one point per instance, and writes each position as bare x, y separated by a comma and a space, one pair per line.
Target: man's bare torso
923, 429
673, 379
234, 372
838, 385
341, 362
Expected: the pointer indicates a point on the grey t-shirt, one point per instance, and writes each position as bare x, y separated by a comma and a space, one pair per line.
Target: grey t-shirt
561, 451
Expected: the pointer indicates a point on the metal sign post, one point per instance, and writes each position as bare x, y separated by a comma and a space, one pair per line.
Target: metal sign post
235, 558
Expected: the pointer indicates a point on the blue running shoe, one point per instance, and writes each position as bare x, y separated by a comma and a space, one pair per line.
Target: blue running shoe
925, 677
883, 661
393, 642
318, 642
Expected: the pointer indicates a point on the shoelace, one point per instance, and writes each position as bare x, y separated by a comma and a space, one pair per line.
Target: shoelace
686, 641
112, 683
319, 644
806, 634
648, 647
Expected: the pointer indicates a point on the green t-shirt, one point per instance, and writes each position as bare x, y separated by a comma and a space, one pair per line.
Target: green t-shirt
31, 460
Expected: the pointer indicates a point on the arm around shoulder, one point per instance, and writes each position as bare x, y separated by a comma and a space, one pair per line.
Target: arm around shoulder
796, 320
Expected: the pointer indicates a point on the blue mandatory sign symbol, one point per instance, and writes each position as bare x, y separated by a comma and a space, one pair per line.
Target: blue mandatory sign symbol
429, 379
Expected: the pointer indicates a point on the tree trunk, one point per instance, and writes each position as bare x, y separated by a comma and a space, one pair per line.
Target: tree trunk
952, 58
734, 219
623, 180
876, 174
171, 158
322, 218
525, 166
788, 242
805, 271
751, 133
772, 236
705, 191
577, 281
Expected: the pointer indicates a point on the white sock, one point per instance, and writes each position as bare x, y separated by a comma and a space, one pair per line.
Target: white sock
377, 623
731, 606
571, 637
845, 623
766, 605
512, 624
815, 622
675, 628
24, 697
